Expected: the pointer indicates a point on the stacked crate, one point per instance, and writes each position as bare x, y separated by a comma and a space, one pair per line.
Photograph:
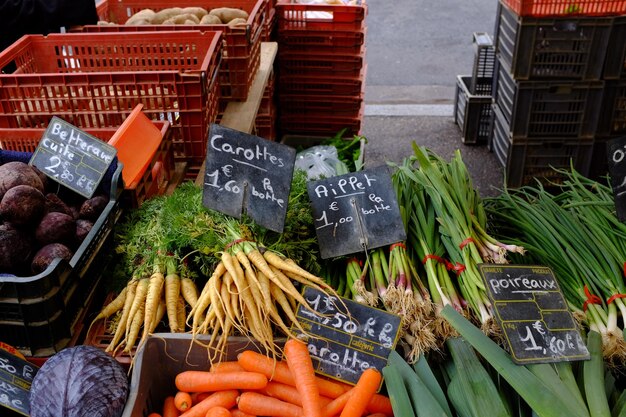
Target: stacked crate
321, 61
472, 100
548, 86
265, 121
612, 122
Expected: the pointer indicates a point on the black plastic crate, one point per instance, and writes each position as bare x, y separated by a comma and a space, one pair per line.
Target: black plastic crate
37, 313
612, 119
552, 48
599, 160
484, 63
526, 160
615, 61
549, 108
472, 113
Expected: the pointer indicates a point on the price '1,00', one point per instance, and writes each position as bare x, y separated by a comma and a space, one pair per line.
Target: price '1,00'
230, 186
324, 220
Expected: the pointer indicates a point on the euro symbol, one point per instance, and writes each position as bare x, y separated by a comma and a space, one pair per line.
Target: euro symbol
227, 170
333, 206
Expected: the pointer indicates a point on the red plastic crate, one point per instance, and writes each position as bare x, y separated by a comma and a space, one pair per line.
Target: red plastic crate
306, 104
95, 80
320, 124
315, 66
265, 127
543, 8
268, 102
271, 22
339, 42
242, 43
319, 17
327, 85
154, 180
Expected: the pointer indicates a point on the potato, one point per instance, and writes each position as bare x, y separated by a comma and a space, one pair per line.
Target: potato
163, 15
210, 19
226, 14
182, 19
199, 12
141, 16
238, 21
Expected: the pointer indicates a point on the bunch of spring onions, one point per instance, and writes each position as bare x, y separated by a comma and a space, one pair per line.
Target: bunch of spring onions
577, 234
386, 277
441, 190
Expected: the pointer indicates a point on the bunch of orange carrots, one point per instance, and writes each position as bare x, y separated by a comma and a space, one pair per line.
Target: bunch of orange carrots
258, 385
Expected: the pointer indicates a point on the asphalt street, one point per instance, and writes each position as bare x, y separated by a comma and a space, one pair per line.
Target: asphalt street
415, 50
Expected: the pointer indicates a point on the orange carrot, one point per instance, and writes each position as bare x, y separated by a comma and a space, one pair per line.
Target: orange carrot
227, 366
218, 412
235, 412
377, 415
380, 404
183, 400
196, 397
261, 405
169, 408
337, 405
200, 381
365, 388
301, 367
226, 398
279, 372
288, 393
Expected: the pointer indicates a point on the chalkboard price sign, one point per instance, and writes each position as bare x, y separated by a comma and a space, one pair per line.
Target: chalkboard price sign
72, 157
355, 212
16, 377
533, 314
348, 337
616, 153
248, 173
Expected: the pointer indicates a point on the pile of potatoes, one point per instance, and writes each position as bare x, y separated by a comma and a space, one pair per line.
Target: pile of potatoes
189, 16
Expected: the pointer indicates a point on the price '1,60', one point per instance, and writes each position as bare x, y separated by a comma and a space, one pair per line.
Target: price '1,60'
213, 180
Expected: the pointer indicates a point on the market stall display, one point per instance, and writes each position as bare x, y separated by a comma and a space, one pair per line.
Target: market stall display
221, 312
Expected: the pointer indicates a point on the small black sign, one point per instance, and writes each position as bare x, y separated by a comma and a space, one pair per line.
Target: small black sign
245, 172
532, 312
355, 212
16, 377
616, 153
348, 337
72, 157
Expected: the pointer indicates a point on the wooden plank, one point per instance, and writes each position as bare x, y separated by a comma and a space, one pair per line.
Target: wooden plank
240, 115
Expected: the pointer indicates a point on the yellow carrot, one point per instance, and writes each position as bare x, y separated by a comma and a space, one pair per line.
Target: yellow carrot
153, 297
138, 302
121, 324
172, 293
189, 290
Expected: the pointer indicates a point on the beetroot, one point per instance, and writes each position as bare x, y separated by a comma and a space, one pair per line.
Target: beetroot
54, 203
83, 227
18, 173
56, 227
15, 249
93, 207
47, 254
22, 205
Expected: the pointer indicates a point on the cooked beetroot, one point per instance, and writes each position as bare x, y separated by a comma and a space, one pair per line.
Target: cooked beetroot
23, 205
83, 227
75, 212
93, 207
47, 183
47, 254
56, 227
18, 173
15, 249
54, 203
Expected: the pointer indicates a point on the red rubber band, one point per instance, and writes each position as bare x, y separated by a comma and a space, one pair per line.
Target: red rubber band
591, 299
458, 268
235, 242
465, 242
399, 244
614, 297
435, 257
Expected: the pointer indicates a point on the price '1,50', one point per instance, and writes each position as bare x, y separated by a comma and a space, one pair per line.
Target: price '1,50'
213, 180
